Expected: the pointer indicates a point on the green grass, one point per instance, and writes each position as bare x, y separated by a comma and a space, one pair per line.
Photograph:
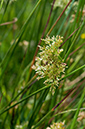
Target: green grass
26, 102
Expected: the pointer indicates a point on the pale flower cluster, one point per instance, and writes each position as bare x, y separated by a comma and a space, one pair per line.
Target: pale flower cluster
57, 126
81, 116
49, 64
61, 3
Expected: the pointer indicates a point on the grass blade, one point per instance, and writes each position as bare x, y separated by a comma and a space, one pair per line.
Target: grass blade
77, 112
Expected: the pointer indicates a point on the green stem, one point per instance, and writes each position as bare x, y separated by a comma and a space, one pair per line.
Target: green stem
74, 41
73, 72
42, 119
24, 99
77, 112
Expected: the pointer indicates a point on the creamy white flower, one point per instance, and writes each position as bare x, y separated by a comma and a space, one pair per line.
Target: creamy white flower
49, 64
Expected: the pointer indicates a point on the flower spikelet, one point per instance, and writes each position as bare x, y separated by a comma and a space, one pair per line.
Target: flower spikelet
57, 126
49, 64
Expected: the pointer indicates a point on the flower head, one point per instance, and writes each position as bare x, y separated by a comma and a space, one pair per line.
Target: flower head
49, 64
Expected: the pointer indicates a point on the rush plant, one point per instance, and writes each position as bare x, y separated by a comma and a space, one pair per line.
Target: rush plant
42, 64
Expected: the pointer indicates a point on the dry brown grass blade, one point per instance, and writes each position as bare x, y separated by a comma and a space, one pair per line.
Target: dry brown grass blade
8, 23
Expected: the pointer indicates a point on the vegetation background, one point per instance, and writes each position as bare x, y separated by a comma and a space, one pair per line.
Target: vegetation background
26, 102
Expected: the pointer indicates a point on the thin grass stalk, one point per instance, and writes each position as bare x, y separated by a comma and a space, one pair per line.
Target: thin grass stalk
63, 98
28, 88
32, 31
1, 4
5, 10
20, 101
77, 112
65, 18
74, 64
20, 76
80, 14
4, 120
73, 72
54, 98
41, 19
22, 10
37, 108
58, 18
23, 90
69, 105
68, 37
52, 110
81, 84
43, 119
67, 111
77, 13
76, 50
74, 41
